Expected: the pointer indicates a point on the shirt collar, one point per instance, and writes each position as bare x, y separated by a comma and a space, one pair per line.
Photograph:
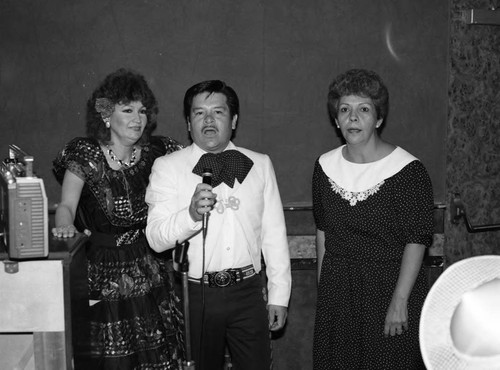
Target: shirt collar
199, 152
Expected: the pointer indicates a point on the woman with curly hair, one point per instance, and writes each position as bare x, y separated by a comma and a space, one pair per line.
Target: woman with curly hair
373, 208
135, 323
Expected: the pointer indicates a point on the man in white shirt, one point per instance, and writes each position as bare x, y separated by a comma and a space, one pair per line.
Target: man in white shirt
246, 222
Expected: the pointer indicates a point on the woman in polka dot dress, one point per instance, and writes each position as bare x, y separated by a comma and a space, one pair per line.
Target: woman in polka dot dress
373, 207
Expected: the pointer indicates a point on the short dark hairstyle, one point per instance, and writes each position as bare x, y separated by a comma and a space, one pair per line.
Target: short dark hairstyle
360, 82
121, 87
212, 86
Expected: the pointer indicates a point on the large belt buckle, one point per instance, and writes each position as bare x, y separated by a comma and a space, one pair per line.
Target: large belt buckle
222, 279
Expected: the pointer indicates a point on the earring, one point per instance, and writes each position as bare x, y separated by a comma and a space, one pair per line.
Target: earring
106, 121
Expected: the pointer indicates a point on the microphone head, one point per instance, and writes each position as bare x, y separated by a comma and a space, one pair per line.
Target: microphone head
207, 176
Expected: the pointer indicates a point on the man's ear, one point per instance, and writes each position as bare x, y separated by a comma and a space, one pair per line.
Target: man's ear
235, 121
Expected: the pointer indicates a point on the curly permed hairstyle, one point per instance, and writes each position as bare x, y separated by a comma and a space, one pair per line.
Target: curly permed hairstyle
121, 87
359, 82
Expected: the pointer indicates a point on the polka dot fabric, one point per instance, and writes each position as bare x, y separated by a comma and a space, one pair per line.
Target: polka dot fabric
226, 166
364, 244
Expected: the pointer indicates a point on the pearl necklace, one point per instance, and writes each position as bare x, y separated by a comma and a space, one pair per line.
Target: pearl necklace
119, 161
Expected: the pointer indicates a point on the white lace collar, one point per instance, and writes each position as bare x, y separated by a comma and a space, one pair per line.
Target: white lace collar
363, 177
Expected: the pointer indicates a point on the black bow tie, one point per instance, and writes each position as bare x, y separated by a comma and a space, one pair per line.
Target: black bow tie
226, 166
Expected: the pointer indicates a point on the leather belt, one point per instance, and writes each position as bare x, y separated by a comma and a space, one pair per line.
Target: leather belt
225, 278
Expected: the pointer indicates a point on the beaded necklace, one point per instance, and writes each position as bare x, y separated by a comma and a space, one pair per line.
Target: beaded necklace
119, 161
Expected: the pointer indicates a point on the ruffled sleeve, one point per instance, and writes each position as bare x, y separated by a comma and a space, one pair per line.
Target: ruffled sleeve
81, 156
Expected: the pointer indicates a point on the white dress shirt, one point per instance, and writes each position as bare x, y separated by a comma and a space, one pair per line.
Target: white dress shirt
246, 222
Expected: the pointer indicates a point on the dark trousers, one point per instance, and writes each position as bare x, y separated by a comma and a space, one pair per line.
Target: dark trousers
235, 316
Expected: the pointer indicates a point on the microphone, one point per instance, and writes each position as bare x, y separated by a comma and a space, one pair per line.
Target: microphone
207, 179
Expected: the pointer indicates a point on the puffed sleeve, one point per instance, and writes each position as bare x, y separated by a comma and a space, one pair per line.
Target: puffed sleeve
316, 195
416, 205
81, 156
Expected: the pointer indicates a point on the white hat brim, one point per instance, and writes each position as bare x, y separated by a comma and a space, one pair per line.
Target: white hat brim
436, 344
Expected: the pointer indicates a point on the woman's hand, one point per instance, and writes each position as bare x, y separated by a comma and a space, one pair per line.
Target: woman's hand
67, 231
64, 231
65, 212
396, 320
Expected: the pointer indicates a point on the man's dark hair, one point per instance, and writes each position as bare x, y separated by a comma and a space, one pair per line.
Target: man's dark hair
211, 87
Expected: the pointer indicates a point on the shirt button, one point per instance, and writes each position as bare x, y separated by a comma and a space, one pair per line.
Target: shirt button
228, 248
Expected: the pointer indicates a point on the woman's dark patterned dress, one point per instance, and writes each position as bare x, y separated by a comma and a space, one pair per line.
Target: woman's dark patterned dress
135, 323
365, 236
